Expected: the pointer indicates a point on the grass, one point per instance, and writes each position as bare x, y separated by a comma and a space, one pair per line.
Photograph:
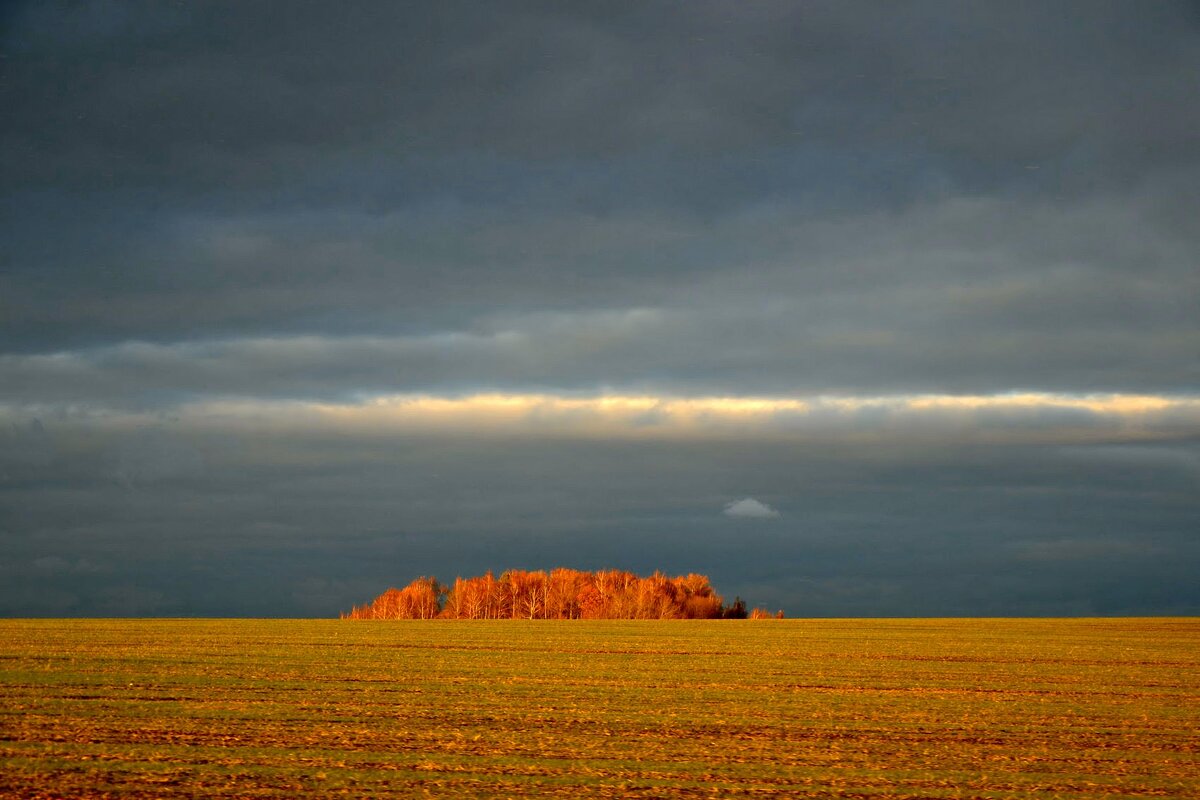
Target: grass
829, 708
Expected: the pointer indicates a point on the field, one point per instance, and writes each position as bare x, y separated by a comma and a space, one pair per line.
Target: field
795, 708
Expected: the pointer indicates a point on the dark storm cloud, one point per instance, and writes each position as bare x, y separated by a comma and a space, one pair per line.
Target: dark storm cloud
968, 295
941, 530
971, 295
189, 86
206, 170
215, 215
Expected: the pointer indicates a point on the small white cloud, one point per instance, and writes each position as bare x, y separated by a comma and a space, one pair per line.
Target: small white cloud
749, 507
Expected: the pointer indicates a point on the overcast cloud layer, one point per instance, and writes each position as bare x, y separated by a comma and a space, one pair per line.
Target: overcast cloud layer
299, 300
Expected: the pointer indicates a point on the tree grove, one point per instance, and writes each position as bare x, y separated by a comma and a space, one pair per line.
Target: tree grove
558, 594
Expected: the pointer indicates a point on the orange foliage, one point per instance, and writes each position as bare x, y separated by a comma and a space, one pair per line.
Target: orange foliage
421, 599
560, 594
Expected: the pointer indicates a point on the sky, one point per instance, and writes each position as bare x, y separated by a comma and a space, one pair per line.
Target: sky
859, 309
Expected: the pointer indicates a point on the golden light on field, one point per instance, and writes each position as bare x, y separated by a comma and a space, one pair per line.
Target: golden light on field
901, 708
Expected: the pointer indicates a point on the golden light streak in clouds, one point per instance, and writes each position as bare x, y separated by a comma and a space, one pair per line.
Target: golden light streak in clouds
1028, 416
1121, 404
1019, 416
521, 405
598, 414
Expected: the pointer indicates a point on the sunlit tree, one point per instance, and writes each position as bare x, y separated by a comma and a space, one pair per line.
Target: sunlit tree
560, 594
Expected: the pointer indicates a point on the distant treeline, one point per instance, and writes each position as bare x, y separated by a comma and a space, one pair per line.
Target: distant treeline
559, 594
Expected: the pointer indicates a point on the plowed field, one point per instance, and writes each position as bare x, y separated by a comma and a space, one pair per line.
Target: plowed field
797, 708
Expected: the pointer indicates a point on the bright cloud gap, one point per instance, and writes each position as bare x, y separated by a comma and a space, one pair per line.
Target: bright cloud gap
1039, 416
